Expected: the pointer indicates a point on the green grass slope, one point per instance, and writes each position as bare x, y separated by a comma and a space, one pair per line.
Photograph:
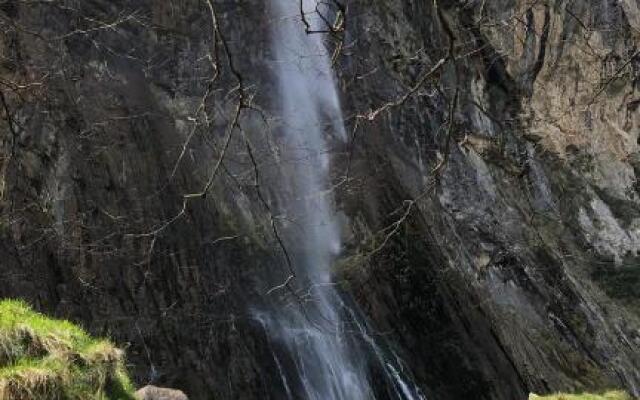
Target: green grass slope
612, 395
44, 358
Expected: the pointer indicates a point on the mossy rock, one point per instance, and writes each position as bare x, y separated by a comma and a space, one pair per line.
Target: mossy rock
44, 358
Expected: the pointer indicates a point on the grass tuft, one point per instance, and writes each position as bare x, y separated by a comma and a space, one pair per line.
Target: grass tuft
611, 395
45, 358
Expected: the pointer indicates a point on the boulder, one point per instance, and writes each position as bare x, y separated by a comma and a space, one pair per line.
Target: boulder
156, 393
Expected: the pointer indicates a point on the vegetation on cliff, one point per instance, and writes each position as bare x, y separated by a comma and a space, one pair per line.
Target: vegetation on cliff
44, 358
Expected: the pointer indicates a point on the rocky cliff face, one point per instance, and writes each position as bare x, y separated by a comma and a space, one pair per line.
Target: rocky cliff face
489, 189
106, 148
518, 263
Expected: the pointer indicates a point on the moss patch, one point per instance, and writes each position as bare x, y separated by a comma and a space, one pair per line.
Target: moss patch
44, 358
620, 283
612, 395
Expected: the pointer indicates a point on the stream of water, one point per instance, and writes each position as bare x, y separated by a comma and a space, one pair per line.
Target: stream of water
326, 351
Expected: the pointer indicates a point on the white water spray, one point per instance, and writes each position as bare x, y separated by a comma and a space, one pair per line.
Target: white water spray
330, 355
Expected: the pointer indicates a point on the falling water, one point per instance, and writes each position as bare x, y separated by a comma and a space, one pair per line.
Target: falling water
329, 353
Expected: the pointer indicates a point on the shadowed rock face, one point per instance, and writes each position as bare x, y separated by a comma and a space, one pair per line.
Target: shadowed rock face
515, 270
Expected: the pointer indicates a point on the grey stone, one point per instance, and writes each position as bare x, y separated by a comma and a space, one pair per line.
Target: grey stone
157, 393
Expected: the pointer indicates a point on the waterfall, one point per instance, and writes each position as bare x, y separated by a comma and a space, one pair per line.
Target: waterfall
326, 351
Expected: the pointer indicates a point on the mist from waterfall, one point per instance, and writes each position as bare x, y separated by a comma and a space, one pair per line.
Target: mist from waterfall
326, 352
